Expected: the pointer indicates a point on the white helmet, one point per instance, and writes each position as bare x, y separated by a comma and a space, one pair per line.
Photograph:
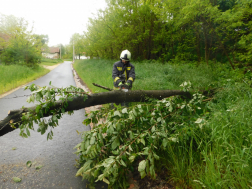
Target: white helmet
125, 55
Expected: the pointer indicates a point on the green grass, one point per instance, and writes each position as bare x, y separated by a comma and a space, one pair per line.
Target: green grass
50, 62
13, 76
220, 154
95, 71
151, 76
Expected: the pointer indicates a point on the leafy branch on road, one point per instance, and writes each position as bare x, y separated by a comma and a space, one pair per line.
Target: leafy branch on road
54, 102
141, 135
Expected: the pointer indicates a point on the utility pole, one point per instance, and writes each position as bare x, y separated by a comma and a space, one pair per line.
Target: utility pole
60, 51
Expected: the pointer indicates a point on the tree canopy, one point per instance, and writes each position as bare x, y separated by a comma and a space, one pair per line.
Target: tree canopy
18, 45
191, 30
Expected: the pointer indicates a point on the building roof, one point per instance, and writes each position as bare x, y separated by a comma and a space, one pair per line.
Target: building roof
54, 49
51, 50
5, 37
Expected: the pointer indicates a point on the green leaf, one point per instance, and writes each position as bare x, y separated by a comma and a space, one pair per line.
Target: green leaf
50, 135
80, 171
38, 167
28, 164
153, 129
143, 141
156, 156
54, 118
105, 180
143, 174
130, 148
134, 112
152, 171
142, 165
146, 151
24, 135
16, 179
131, 134
132, 158
115, 143
165, 142
28, 132
38, 108
117, 113
92, 141
124, 111
170, 108
38, 96
123, 163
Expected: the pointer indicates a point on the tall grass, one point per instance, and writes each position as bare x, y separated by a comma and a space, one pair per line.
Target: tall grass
12, 76
152, 75
95, 71
219, 155
228, 153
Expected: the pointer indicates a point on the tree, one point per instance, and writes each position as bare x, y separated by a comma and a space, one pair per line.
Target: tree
73, 99
22, 47
76, 39
209, 30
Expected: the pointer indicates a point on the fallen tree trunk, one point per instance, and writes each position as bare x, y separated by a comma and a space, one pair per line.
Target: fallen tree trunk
77, 103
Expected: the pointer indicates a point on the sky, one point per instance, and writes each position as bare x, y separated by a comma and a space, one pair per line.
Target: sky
59, 19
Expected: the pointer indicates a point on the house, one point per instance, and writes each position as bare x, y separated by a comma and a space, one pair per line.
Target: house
52, 53
4, 38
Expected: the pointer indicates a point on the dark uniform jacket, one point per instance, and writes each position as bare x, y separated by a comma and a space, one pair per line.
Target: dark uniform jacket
123, 72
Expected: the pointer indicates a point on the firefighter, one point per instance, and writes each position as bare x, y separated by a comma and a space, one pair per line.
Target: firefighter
123, 72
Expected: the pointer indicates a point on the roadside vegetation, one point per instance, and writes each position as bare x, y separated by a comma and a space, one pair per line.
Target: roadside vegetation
153, 75
204, 142
13, 76
20, 53
50, 62
196, 46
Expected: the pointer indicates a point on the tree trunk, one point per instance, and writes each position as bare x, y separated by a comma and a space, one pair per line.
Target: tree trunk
198, 44
77, 103
206, 44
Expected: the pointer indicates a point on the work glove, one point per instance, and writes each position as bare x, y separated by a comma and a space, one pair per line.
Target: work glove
120, 84
128, 84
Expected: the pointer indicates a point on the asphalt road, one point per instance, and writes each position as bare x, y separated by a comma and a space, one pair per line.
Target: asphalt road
56, 156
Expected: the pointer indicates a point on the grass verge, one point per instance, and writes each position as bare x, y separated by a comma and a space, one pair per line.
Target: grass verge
153, 75
13, 76
50, 62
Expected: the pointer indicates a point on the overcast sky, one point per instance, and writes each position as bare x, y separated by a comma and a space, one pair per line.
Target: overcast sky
57, 18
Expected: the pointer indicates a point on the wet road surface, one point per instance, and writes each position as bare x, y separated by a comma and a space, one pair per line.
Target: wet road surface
56, 156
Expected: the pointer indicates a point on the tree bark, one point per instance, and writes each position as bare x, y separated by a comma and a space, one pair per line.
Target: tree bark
77, 103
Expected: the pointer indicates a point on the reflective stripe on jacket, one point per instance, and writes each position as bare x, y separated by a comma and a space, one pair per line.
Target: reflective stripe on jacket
119, 69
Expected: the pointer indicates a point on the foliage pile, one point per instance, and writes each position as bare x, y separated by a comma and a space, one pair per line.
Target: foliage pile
146, 132
17, 44
190, 30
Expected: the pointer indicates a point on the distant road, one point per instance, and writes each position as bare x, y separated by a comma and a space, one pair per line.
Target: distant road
55, 156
